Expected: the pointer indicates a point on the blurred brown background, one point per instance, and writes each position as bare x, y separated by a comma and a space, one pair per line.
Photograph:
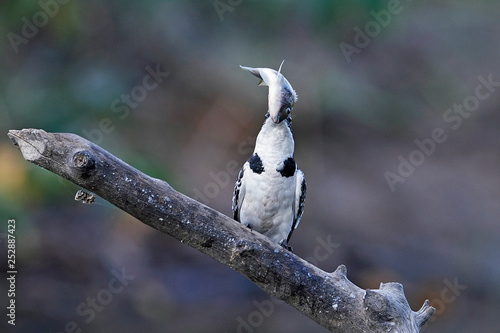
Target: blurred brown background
372, 78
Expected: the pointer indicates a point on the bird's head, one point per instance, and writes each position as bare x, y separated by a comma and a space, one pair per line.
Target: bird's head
282, 97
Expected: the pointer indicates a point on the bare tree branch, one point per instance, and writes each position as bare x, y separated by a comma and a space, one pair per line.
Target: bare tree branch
330, 299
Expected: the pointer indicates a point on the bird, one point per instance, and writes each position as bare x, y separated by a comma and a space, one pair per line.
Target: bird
270, 191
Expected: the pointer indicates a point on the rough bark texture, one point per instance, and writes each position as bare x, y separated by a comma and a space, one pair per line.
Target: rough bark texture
330, 299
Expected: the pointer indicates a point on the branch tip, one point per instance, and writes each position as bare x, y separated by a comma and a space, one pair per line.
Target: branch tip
31, 142
341, 270
424, 314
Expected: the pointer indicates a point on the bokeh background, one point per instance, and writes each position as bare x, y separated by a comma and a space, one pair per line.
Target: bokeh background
68, 66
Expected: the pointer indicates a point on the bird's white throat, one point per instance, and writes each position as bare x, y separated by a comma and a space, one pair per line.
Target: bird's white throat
275, 141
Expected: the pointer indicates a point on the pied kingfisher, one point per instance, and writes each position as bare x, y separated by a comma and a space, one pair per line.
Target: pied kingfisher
270, 192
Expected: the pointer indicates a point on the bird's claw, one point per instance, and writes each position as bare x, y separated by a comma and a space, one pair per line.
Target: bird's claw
286, 246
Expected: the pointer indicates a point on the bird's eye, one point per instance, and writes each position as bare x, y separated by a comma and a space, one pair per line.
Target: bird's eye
288, 110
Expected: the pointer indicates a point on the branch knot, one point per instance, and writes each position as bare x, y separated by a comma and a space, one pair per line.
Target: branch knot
83, 160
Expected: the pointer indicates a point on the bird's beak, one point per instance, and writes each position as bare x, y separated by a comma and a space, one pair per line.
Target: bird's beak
281, 94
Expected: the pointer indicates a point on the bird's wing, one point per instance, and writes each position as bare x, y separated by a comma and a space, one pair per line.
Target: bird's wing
239, 193
300, 199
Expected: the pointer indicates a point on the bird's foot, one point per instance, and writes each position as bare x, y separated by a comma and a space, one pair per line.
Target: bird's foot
286, 246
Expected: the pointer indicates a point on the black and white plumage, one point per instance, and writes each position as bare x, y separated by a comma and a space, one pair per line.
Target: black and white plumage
270, 192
